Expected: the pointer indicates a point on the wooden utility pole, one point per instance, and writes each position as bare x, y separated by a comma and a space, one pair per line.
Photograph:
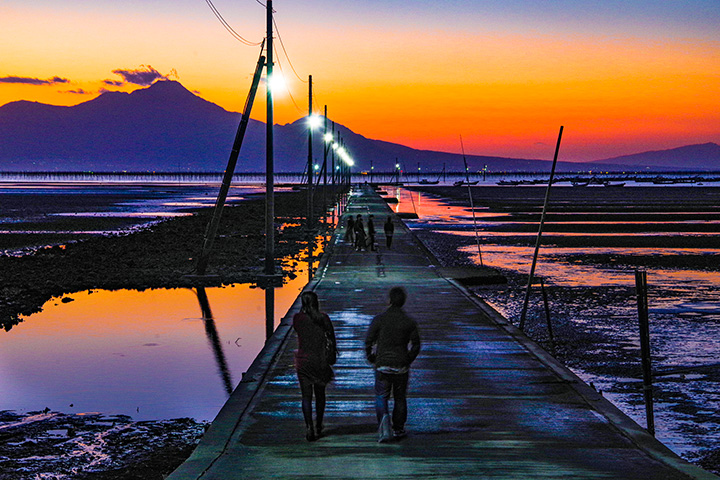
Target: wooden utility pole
326, 145
642, 304
310, 157
211, 231
333, 153
269, 163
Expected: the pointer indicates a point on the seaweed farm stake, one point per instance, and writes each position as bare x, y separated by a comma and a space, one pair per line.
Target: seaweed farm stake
642, 302
539, 235
547, 312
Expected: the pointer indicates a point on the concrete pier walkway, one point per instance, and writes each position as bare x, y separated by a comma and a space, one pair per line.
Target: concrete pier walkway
484, 402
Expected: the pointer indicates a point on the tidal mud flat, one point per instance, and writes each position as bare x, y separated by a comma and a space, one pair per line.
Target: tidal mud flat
61, 445
594, 241
154, 255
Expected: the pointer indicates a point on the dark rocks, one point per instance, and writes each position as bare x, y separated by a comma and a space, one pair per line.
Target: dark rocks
159, 256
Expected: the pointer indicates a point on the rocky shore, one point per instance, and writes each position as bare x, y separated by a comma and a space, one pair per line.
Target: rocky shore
90, 446
157, 256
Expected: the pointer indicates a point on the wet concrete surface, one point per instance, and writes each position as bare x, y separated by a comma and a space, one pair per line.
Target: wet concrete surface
484, 400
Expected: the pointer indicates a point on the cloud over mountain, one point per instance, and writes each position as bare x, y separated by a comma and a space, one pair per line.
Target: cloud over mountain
144, 76
33, 81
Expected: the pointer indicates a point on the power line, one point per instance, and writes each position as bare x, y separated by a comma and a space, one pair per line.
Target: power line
227, 26
287, 88
285, 51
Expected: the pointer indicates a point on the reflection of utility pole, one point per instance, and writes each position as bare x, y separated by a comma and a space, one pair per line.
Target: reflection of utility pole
311, 252
269, 311
214, 339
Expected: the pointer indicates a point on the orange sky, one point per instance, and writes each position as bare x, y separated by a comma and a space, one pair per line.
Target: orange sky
619, 82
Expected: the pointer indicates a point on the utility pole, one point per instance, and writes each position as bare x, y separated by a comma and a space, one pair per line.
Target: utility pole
310, 159
326, 145
212, 227
269, 163
269, 186
333, 154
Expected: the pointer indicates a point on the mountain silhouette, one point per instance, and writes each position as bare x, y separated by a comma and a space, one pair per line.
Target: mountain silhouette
705, 156
165, 127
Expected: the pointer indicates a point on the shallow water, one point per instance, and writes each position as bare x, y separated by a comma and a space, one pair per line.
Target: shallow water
44, 202
149, 354
152, 354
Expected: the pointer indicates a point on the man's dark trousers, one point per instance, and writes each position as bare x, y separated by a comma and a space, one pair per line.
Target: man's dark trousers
397, 383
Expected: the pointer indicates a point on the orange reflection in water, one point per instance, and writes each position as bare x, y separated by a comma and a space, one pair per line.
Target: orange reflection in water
149, 354
558, 266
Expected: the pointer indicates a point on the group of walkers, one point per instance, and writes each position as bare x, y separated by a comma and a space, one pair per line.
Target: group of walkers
355, 232
386, 348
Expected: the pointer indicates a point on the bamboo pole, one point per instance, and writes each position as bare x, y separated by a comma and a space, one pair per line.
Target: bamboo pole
523, 314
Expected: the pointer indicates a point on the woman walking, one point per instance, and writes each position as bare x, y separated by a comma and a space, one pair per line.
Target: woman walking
316, 342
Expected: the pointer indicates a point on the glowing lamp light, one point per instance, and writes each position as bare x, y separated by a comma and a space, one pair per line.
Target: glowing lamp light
317, 167
277, 84
328, 137
314, 121
397, 165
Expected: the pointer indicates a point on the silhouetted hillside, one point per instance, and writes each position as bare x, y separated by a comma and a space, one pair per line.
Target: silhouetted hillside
165, 127
704, 156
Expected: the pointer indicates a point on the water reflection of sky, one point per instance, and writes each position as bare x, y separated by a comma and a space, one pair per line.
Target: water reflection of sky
148, 354
28, 202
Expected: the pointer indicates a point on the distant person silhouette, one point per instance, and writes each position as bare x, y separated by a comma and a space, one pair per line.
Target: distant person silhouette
350, 231
386, 347
389, 228
371, 233
360, 238
314, 372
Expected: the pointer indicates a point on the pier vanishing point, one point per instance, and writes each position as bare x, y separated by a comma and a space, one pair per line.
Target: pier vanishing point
484, 402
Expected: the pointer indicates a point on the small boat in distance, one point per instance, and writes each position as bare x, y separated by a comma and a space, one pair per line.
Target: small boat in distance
425, 181
461, 183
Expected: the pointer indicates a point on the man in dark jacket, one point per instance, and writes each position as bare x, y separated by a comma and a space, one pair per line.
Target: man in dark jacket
389, 335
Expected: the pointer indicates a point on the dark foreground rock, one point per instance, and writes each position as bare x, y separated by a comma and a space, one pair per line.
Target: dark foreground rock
158, 256
93, 446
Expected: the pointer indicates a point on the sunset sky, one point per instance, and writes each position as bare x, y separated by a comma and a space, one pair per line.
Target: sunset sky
621, 76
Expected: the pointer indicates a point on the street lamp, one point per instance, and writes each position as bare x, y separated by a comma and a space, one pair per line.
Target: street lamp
314, 121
